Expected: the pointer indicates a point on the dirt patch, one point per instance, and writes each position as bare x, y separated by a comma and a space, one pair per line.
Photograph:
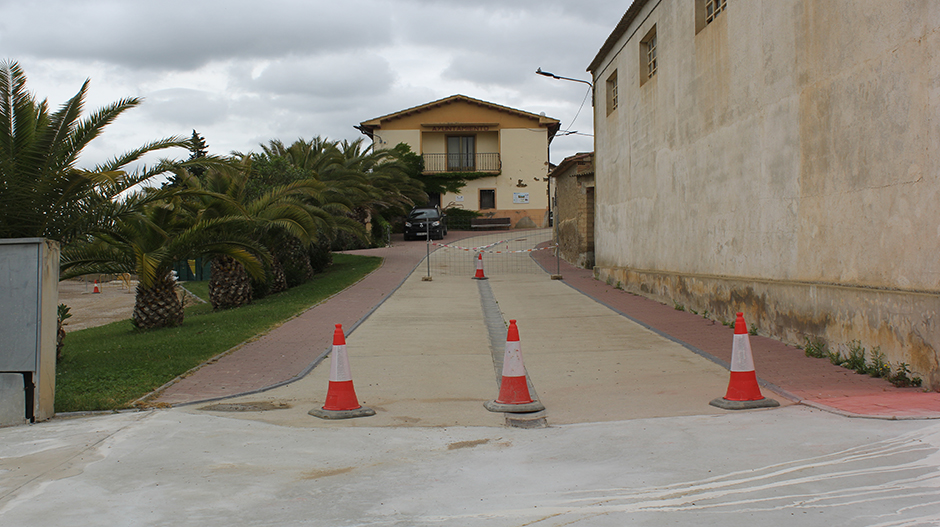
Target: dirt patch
113, 302
467, 444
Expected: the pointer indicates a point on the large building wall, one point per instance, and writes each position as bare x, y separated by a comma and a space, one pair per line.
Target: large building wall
783, 161
391, 138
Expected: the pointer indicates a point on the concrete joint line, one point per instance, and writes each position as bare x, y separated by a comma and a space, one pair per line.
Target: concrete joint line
497, 327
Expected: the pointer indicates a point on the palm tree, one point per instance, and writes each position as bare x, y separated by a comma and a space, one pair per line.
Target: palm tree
149, 242
279, 164
281, 211
376, 181
42, 192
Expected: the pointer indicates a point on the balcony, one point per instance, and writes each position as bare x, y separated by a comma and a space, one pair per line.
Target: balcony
461, 163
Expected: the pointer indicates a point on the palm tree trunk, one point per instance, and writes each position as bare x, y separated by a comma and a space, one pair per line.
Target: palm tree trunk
158, 306
229, 285
279, 280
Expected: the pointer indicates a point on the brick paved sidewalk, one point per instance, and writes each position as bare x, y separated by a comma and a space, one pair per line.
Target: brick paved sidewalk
290, 351
785, 369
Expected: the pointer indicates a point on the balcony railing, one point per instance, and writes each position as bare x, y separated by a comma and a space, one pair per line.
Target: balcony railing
461, 163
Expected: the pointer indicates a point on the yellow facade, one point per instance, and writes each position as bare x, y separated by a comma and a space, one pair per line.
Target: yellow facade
461, 134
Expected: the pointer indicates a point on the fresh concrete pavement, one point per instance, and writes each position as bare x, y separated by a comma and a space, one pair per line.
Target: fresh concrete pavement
631, 439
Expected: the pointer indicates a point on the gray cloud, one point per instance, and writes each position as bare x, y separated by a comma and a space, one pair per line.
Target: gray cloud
186, 107
185, 35
243, 73
341, 75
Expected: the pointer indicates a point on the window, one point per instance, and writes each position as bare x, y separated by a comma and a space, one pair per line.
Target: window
612, 92
713, 8
460, 153
707, 11
487, 199
648, 56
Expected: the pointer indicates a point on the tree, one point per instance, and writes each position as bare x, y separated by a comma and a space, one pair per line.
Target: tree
148, 243
198, 151
281, 211
375, 182
279, 164
42, 192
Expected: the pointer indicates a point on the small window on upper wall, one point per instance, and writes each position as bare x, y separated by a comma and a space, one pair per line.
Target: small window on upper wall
707, 11
648, 52
713, 8
612, 97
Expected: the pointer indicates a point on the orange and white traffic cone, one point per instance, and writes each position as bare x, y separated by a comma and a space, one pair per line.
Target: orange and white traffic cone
96, 290
479, 274
514, 389
743, 390
341, 400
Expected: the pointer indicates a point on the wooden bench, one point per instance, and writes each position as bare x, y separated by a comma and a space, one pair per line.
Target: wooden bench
490, 223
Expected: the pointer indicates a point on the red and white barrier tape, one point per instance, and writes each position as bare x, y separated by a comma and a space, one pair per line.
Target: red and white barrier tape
480, 249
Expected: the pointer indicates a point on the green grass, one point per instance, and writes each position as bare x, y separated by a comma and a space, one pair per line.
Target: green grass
108, 367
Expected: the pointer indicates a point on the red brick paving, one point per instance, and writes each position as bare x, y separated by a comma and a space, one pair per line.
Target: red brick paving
787, 369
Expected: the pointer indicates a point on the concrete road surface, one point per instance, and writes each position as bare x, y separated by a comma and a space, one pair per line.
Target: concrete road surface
631, 439
790, 466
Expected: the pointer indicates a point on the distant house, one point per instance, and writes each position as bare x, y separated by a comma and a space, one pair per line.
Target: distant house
777, 158
460, 134
572, 184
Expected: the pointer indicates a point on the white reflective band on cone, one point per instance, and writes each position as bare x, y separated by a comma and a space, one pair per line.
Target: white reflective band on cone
741, 359
512, 361
339, 365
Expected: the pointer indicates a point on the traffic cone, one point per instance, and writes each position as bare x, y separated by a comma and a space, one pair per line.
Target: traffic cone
341, 400
743, 391
96, 290
514, 389
479, 274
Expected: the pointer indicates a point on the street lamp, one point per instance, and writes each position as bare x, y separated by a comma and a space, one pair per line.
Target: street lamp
552, 205
552, 75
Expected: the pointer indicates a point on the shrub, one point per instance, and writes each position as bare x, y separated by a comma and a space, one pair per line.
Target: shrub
878, 367
902, 378
816, 348
856, 359
459, 219
320, 256
835, 358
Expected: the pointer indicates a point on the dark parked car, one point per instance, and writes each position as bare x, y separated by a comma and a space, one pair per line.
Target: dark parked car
424, 220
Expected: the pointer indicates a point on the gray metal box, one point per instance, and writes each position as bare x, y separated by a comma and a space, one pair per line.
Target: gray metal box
12, 399
29, 280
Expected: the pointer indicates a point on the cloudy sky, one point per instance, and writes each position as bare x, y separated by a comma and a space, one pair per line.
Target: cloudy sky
242, 73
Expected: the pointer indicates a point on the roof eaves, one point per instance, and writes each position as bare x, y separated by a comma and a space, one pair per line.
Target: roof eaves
618, 32
570, 161
549, 122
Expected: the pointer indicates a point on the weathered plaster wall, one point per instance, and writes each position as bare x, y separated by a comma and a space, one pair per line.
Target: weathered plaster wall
791, 143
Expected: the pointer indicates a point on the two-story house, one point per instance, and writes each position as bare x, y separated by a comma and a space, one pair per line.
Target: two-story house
507, 148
